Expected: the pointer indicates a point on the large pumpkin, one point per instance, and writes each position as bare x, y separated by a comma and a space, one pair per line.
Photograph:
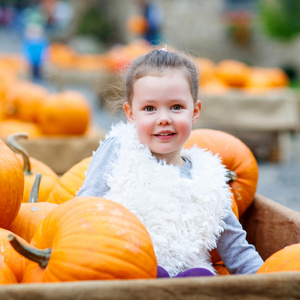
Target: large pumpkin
31, 214
91, 238
70, 182
66, 113
31, 167
11, 185
286, 259
238, 159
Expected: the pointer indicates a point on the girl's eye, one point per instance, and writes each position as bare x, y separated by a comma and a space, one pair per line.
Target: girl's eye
176, 107
149, 108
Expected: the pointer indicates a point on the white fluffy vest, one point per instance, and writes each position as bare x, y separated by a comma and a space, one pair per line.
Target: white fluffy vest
183, 216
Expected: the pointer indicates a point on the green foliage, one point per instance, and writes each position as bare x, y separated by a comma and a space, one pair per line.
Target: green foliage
95, 23
280, 18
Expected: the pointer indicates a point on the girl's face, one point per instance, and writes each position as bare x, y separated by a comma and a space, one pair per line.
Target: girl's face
163, 112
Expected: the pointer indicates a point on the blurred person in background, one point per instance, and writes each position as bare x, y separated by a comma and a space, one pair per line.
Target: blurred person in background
154, 16
34, 48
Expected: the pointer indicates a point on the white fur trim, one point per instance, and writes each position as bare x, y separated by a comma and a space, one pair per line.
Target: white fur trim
183, 216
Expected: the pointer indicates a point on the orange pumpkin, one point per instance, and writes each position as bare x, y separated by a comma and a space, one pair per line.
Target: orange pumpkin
70, 182
7, 78
62, 55
261, 80
120, 57
91, 62
90, 238
11, 185
137, 24
31, 167
206, 70
284, 260
12, 126
31, 214
237, 158
15, 62
10, 257
6, 274
23, 101
221, 268
66, 113
232, 72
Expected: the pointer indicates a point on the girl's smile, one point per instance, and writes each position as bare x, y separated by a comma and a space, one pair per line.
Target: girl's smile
163, 112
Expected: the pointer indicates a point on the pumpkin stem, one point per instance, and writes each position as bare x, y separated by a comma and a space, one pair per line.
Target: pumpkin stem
15, 146
34, 254
231, 176
34, 193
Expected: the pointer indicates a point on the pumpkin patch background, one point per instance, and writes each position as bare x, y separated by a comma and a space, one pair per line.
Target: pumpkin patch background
65, 107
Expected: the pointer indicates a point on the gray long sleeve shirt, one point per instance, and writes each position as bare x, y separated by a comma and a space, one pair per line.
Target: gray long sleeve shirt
238, 255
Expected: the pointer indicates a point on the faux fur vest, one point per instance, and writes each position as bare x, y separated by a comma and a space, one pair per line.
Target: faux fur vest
183, 216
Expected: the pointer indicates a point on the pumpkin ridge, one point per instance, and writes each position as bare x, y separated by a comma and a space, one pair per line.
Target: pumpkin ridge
109, 260
68, 235
114, 239
135, 225
68, 187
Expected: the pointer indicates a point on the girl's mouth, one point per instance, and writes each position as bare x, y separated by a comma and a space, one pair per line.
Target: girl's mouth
164, 134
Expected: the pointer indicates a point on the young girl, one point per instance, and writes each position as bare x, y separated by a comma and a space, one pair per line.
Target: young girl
181, 196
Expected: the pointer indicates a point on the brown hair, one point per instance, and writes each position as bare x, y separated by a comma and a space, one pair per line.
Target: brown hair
156, 62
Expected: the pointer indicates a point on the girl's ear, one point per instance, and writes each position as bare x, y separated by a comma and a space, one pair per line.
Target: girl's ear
128, 112
196, 112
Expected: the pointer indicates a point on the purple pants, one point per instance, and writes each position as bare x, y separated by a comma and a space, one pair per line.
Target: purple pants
195, 272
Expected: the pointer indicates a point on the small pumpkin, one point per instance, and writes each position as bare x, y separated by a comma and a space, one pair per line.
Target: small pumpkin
221, 268
31, 167
137, 25
66, 113
10, 257
11, 185
283, 260
70, 182
238, 159
89, 238
31, 214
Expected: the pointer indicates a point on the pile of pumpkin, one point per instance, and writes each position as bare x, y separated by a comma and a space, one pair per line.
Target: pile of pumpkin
47, 234
233, 75
114, 60
215, 78
26, 106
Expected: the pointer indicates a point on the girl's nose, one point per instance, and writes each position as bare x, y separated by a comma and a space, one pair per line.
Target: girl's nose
164, 118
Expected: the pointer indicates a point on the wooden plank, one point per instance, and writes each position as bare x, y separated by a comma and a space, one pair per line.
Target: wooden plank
261, 286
